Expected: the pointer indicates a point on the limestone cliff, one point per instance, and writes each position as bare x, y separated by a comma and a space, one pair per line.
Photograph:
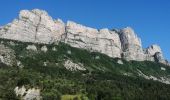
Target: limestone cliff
104, 40
131, 45
38, 27
33, 26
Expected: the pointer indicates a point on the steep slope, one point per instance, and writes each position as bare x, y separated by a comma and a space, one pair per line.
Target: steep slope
54, 72
43, 58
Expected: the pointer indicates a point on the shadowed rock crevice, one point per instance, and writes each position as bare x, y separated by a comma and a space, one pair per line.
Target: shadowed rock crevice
37, 27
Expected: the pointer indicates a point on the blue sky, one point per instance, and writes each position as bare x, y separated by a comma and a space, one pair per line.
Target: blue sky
149, 18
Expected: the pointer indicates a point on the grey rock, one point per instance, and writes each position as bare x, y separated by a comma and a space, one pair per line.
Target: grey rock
54, 49
69, 52
103, 41
37, 26
33, 26
7, 55
44, 49
159, 57
109, 43
19, 64
131, 45
120, 62
31, 47
153, 49
69, 65
163, 69
28, 94
97, 57
155, 52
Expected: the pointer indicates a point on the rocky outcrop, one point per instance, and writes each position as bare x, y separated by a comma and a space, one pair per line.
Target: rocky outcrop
44, 49
38, 27
7, 56
33, 26
159, 57
69, 65
120, 62
28, 94
131, 45
155, 54
153, 49
31, 47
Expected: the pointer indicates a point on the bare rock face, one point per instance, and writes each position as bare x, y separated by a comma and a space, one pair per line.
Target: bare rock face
153, 49
30, 94
104, 40
155, 52
159, 57
37, 26
7, 56
69, 65
79, 36
109, 43
33, 26
131, 45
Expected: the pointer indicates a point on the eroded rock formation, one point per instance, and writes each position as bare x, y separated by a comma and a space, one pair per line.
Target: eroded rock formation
131, 45
38, 27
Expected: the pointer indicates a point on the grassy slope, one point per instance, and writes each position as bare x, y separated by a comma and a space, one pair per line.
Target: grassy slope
103, 80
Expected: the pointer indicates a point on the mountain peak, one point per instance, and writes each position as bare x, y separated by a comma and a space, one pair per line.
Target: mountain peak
34, 11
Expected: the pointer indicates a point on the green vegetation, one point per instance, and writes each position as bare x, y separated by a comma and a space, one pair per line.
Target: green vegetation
104, 78
74, 97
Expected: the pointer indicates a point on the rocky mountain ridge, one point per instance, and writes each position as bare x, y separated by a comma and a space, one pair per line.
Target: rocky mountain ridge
37, 26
